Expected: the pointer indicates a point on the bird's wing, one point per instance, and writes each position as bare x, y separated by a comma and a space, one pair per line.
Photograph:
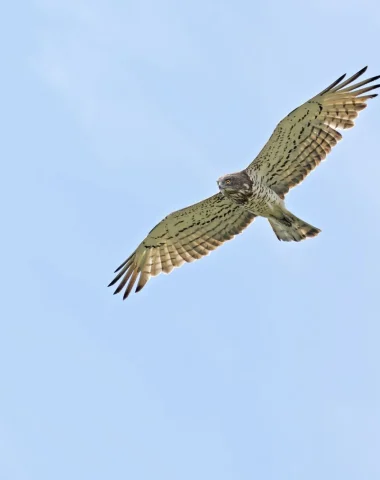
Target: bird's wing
183, 236
304, 138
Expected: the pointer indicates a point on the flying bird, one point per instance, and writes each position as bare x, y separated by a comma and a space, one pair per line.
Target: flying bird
298, 144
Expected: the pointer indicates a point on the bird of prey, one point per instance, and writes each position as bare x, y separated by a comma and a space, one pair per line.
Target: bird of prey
298, 144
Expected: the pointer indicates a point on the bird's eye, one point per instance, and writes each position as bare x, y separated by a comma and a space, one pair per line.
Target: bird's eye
228, 182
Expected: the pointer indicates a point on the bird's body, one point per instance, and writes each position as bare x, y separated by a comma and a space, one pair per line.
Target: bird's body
298, 144
251, 192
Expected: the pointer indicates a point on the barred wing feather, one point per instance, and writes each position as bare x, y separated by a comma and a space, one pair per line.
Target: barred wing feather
183, 236
304, 138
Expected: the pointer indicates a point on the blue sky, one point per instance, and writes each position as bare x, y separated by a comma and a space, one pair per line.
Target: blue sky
261, 360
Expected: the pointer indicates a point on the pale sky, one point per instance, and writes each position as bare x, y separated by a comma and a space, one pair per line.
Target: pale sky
260, 361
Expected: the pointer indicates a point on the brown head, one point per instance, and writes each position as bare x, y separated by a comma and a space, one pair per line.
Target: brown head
237, 186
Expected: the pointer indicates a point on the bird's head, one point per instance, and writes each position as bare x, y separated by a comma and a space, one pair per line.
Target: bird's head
235, 185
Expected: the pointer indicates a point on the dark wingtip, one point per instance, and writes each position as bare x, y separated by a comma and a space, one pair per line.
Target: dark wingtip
337, 81
138, 288
341, 78
119, 289
334, 84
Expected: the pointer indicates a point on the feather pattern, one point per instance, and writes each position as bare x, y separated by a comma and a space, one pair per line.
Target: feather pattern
305, 137
183, 236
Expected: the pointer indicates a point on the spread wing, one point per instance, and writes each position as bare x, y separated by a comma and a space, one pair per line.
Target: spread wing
304, 138
183, 236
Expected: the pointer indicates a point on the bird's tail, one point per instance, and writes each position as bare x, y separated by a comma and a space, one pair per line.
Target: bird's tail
291, 228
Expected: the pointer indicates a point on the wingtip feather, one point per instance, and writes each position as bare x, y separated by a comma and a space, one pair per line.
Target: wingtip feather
330, 87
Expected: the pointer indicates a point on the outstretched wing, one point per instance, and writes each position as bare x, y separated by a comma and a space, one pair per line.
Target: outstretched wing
304, 138
183, 236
